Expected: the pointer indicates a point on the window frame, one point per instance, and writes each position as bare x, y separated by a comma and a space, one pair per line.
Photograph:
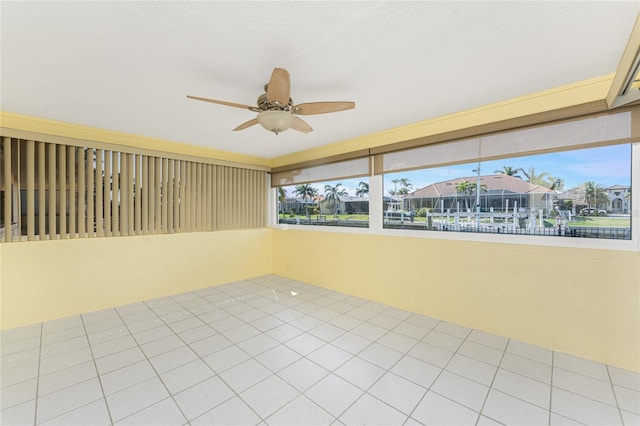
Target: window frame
376, 214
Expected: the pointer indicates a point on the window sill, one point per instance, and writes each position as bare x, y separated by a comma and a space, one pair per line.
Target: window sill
632, 245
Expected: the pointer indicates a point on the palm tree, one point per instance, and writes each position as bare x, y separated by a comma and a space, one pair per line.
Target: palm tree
305, 191
555, 184
362, 190
594, 194
465, 188
405, 186
534, 178
543, 179
509, 171
282, 195
333, 193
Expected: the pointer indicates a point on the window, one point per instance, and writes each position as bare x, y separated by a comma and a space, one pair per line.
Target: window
333, 194
578, 193
569, 179
330, 203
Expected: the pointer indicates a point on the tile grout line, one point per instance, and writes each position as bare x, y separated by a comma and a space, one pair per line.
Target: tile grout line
104, 396
442, 369
35, 410
302, 356
152, 367
205, 363
305, 356
553, 360
283, 343
388, 370
492, 382
615, 397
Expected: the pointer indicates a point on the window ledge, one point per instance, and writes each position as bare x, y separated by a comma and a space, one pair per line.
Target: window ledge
632, 245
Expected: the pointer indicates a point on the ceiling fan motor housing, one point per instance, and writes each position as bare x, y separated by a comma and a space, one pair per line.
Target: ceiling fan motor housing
266, 105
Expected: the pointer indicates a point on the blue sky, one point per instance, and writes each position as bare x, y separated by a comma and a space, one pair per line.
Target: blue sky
610, 165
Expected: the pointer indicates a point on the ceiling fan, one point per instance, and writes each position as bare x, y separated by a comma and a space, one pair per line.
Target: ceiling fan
276, 111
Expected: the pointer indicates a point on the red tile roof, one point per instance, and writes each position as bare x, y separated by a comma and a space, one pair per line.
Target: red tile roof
493, 183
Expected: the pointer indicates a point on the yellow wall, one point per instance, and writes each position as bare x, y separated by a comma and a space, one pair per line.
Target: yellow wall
51, 279
581, 301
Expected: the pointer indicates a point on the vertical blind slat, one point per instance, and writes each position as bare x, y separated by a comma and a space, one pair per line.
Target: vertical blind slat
158, 196
62, 170
53, 228
170, 201
8, 192
17, 167
71, 163
194, 197
176, 196
130, 195
183, 202
106, 199
92, 185
42, 195
138, 194
208, 197
115, 193
124, 195
165, 196
214, 191
31, 199
145, 195
100, 188
188, 197
82, 207
199, 196
152, 194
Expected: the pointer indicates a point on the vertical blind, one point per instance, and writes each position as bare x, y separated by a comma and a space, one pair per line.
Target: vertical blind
57, 191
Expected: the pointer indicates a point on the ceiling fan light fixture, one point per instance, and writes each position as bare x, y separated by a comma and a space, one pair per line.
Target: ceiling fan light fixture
276, 121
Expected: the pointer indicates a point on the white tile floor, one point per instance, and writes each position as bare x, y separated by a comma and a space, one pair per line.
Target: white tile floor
279, 352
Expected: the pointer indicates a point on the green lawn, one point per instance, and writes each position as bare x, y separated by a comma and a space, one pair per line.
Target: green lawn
315, 217
596, 221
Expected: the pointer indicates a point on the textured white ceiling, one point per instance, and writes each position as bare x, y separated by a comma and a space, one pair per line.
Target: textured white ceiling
128, 66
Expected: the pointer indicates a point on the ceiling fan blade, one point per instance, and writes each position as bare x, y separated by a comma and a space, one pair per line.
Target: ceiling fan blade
279, 87
249, 123
322, 107
231, 104
300, 125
